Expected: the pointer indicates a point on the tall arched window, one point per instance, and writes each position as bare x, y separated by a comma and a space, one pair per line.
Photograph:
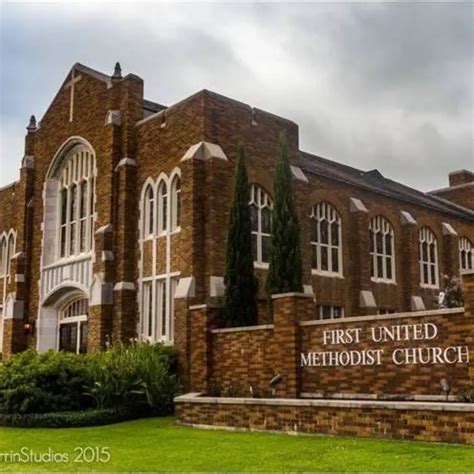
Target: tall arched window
10, 252
175, 202
466, 254
428, 249
149, 212
261, 207
326, 240
162, 207
76, 203
73, 326
382, 250
3, 255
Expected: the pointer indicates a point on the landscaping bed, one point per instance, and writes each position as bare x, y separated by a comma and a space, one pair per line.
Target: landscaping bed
58, 389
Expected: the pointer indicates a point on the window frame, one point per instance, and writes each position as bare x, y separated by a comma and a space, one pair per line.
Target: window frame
74, 319
260, 199
465, 248
426, 235
75, 231
380, 224
325, 211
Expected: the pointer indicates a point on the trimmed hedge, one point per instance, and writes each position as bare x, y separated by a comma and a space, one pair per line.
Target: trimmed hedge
71, 419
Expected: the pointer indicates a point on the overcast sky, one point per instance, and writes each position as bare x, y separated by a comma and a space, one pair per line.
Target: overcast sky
373, 85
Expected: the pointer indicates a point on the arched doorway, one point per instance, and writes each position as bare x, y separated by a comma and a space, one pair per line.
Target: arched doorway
72, 325
63, 319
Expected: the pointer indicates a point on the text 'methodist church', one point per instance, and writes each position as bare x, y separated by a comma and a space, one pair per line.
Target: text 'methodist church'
119, 219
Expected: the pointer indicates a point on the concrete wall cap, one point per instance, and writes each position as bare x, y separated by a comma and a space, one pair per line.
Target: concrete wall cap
113, 117
261, 327
291, 295
298, 174
186, 288
373, 404
125, 162
28, 162
204, 151
407, 218
367, 299
448, 229
383, 317
356, 205
104, 229
124, 285
417, 303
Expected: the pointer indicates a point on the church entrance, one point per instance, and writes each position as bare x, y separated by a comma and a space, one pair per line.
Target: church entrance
72, 335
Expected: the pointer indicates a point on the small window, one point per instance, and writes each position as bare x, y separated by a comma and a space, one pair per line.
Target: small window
162, 207
382, 250
326, 240
3, 255
261, 207
329, 312
149, 212
175, 203
466, 254
428, 255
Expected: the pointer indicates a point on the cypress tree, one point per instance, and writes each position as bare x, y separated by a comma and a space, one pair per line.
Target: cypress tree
240, 298
285, 274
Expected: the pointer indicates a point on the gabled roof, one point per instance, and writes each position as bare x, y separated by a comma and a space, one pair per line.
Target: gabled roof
374, 181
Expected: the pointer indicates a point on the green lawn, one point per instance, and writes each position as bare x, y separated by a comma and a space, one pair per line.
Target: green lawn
157, 444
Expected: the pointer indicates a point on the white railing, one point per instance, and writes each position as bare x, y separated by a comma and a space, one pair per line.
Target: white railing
77, 271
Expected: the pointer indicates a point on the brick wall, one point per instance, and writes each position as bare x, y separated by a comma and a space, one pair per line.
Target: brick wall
401, 420
246, 357
454, 329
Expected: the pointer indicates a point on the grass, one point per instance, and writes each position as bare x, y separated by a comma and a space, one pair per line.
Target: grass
157, 444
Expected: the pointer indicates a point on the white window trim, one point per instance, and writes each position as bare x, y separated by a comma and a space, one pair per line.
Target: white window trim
169, 277
316, 220
424, 233
332, 310
465, 245
62, 321
77, 167
377, 224
262, 200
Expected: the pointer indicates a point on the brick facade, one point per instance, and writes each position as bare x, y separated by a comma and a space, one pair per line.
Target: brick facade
135, 142
402, 420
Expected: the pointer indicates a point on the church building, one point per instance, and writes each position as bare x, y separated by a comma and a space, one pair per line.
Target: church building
118, 221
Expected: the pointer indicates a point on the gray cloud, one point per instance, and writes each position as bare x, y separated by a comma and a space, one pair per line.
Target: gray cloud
385, 86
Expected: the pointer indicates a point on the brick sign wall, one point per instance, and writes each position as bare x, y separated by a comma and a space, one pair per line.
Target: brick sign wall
387, 355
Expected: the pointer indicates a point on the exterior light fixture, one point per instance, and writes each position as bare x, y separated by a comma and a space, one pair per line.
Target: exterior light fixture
445, 387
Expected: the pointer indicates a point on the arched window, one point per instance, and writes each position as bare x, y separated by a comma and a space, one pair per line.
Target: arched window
149, 212
9, 253
76, 203
73, 326
261, 207
175, 202
326, 240
382, 250
466, 254
3, 255
162, 207
428, 249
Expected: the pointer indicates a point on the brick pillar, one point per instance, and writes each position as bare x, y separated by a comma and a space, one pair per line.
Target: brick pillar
450, 251
124, 320
468, 283
14, 337
182, 340
98, 327
409, 257
288, 310
202, 319
101, 291
363, 301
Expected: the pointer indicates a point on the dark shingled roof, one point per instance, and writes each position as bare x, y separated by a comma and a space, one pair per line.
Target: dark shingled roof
374, 181
150, 108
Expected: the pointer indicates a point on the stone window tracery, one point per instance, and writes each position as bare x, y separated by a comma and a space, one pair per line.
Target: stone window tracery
382, 250
466, 254
261, 206
428, 255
